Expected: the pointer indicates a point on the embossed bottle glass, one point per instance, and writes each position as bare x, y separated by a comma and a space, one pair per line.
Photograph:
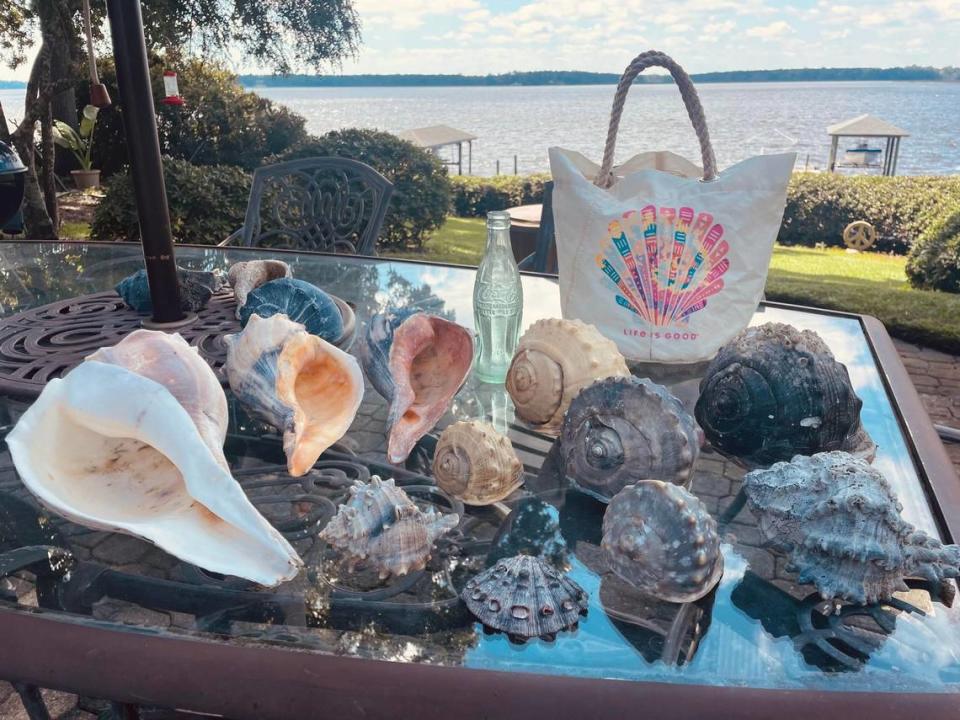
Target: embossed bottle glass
497, 302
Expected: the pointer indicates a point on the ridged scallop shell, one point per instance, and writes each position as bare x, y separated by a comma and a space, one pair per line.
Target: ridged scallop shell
131, 441
381, 524
418, 362
774, 392
525, 597
302, 385
298, 300
247, 276
555, 359
623, 429
838, 521
475, 463
660, 539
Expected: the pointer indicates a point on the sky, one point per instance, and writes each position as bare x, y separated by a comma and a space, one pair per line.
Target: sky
476, 37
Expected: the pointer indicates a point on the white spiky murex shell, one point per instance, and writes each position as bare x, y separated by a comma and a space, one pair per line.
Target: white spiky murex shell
131, 440
555, 359
475, 463
379, 523
665, 263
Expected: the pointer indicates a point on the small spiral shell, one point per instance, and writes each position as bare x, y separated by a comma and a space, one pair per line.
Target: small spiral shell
475, 463
555, 359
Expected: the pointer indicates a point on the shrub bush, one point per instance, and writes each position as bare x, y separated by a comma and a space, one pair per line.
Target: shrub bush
934, 261
421, 196
476, 196
207, 203
220, 124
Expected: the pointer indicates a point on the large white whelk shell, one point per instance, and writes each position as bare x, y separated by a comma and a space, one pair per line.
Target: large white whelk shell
555, 359
475, 463
131, 441
299, 383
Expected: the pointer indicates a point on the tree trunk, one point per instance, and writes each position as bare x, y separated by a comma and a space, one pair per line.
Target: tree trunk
63, 105
37, 222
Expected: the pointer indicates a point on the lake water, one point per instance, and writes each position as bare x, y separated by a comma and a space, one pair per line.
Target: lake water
744, 119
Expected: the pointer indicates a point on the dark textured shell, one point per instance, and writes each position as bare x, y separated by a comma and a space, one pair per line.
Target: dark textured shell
660, 539
298, 300
525, 597
623, 429
381, 524
196, 289
838, 521
774, 392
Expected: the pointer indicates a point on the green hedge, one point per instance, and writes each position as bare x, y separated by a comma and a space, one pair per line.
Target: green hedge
207, 203
476, 196
934, 261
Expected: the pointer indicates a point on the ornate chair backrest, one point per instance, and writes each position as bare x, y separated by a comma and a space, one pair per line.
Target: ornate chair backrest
321, 204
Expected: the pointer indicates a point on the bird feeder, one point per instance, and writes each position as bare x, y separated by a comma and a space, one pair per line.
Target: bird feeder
170, 89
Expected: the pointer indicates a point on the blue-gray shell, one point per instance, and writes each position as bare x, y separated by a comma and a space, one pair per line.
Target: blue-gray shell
375, 353
298, 300
196, 289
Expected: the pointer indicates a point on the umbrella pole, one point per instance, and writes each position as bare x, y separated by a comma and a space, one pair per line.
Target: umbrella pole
146, 169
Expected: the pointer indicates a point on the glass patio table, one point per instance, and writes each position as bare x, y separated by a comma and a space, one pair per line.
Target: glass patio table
111, 616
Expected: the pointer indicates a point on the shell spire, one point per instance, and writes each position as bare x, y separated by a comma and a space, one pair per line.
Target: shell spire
244, 277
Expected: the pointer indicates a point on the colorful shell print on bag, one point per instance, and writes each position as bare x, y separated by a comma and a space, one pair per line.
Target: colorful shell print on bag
665, 264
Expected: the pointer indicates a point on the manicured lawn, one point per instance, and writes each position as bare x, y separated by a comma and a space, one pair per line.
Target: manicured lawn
866, 283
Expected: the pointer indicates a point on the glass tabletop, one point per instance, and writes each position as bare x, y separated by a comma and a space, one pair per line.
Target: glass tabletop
758, 629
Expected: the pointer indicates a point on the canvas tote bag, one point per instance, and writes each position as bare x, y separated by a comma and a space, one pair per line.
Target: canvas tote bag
667, 259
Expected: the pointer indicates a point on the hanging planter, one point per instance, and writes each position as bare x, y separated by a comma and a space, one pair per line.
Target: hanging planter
171, 90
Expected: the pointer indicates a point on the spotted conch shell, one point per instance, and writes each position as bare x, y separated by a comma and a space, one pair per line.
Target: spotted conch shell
475, 463
131, 440
774, 392
381, 524
660, 539
299, 383
417, 362
555, 359
245, 277
622, 429
838, 521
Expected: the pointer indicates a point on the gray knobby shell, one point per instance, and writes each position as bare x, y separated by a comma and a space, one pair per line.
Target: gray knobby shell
774, 392
381, 524
838, 521
660, 539
301, 302
525, 597
623, 429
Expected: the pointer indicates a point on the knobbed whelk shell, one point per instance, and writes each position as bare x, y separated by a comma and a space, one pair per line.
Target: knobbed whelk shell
623, 429
475, 463
661, 539
774, 392
525, 597
381, 524
302, 385
247, 276
298, 300
131, 440
418, 362
555, 359
838, 521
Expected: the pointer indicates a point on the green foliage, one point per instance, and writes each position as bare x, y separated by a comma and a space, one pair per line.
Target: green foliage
207, 203
220, 124
79, 142
476, 196
421, 196
934, 261
820, 206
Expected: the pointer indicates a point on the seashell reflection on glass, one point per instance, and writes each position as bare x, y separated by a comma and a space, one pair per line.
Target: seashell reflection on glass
555, 359
305, 387
476, 464
660, 539
838, 521
525, 597
622, 429
298, 300
417, 362
774, 392
138, 431
245, 277
383, 526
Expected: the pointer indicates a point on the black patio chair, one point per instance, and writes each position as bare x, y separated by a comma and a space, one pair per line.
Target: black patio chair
321, 204
540, 259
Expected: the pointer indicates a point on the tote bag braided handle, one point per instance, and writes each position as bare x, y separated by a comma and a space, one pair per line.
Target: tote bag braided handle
688, 92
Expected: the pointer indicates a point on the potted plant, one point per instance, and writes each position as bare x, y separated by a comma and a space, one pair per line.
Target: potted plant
81, 145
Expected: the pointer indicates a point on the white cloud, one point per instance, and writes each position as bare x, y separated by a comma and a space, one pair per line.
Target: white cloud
409, 14
767, 32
